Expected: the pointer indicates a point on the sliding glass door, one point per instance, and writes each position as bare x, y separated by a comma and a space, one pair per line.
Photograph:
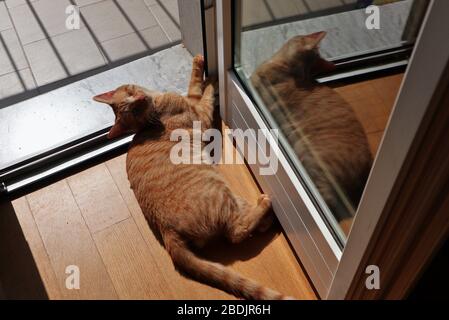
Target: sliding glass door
324, 77
353, 34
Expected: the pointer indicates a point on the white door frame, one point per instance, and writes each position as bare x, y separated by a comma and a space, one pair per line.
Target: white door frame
331, 269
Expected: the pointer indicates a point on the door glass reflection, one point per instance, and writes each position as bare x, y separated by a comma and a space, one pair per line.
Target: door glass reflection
331, 131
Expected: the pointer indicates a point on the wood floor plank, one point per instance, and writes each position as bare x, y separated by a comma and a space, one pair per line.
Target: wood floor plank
270, 260
93, 220
388, 88
179, 286
130, 263
259, 267
374, 140
137, 276
98, 198
373, 101
277, 268
32, 236
367, 104
68, 242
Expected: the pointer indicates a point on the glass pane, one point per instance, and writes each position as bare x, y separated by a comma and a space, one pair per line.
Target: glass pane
330, 132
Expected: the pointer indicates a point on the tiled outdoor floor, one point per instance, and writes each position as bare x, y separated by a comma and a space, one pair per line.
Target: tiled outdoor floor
37, 49
259, 12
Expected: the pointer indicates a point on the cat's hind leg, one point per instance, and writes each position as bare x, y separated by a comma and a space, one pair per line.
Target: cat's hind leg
248, 219
195, 91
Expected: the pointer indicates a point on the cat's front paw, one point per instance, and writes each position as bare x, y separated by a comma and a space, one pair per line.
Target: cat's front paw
264, 202
198, 61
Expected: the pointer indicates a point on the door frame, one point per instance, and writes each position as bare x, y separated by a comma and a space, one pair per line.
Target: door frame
331, 269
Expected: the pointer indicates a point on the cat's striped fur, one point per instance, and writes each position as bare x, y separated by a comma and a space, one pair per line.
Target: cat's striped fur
323, 129
187, 204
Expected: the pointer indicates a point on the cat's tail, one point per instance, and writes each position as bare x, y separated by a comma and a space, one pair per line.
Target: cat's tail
215, 274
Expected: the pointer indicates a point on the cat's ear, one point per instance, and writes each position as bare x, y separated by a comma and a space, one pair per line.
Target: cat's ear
105, 97
117, 130
314, 39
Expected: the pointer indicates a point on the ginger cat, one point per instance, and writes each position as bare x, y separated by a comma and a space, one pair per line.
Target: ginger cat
186, 204
321, 126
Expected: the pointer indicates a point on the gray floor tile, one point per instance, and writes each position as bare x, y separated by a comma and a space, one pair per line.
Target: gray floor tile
44, 62
15, 83
111, 19
26, 25
150, 2
324, 4
15, 3
284, 9
131, 44
255, 12
5, 21
266, 11
11, 54
106, 21
155, 37
77, 53
167, 21
171, 6
346, 34
43, 19
123, 47
82, 3
138, 13
56, 53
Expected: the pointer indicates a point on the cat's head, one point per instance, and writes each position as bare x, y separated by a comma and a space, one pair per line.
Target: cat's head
133, 107
301, 55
